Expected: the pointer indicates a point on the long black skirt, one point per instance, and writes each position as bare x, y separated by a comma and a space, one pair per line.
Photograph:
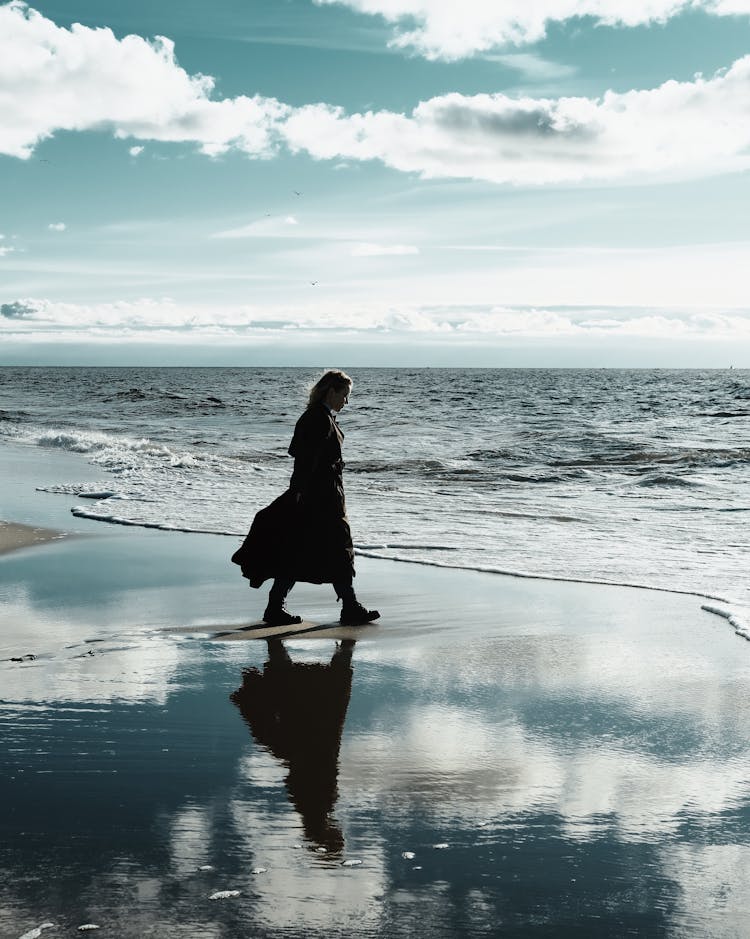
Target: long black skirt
299, 542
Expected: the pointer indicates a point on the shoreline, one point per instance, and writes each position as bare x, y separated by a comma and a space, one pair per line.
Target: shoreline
18, 536
153, 580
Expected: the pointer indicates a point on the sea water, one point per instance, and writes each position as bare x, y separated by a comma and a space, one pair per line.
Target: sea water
620, 476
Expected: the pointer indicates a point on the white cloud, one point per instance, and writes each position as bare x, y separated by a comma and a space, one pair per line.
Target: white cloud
699, 127
290, 220
5, 250
55, 79
534, 67
57, 226
444, 29
367, 249
153, 319
135, 151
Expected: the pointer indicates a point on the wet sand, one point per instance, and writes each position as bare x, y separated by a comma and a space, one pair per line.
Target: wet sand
13, 536
494, 757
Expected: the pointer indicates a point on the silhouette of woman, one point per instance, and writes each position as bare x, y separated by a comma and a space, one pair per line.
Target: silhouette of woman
297, 711
304, 534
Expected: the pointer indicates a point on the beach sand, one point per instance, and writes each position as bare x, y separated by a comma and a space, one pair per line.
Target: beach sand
496, 756
13, 536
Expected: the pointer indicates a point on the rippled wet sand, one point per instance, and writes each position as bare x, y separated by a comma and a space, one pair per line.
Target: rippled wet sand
497, 757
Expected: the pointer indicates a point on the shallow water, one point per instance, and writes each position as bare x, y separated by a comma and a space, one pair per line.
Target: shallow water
517, 814
572, 760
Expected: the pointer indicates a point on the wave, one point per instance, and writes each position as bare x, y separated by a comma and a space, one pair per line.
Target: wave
665, 479
12, 416
162, 394
456, 470
421, 467
81, 491
539, 477
698, 456
110, 451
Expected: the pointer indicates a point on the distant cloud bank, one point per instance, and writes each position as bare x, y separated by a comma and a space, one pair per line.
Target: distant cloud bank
150, 320
678, 129
445, 29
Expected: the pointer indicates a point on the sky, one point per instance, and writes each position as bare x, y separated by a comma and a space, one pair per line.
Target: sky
375, 182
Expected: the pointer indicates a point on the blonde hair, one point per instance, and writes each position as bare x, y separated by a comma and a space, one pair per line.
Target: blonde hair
333, 379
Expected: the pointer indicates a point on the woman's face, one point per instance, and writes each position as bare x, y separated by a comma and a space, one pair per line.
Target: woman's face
337, 398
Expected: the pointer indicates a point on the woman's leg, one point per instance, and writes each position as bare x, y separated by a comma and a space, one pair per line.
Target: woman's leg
345, 591
276, 613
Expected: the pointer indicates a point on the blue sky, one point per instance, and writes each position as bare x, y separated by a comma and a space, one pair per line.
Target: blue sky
375, 182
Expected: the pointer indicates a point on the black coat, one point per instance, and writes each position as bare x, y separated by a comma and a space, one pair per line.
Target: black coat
304, 534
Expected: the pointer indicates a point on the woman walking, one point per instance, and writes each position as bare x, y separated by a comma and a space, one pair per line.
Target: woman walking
304, 534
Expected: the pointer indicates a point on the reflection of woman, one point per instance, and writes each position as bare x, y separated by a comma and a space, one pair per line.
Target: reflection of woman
297, 711
304, 534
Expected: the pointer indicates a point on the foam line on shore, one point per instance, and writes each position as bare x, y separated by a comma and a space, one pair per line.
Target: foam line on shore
739, 622
80, 512
507, 572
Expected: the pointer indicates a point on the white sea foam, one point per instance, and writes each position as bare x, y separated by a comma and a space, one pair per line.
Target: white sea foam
75, 489
104, 449
738, 617
37, 931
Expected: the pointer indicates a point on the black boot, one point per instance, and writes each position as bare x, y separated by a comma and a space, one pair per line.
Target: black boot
276, 613
280, 616
354, 614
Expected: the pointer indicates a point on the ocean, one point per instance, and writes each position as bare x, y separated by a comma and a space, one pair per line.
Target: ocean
636, 477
